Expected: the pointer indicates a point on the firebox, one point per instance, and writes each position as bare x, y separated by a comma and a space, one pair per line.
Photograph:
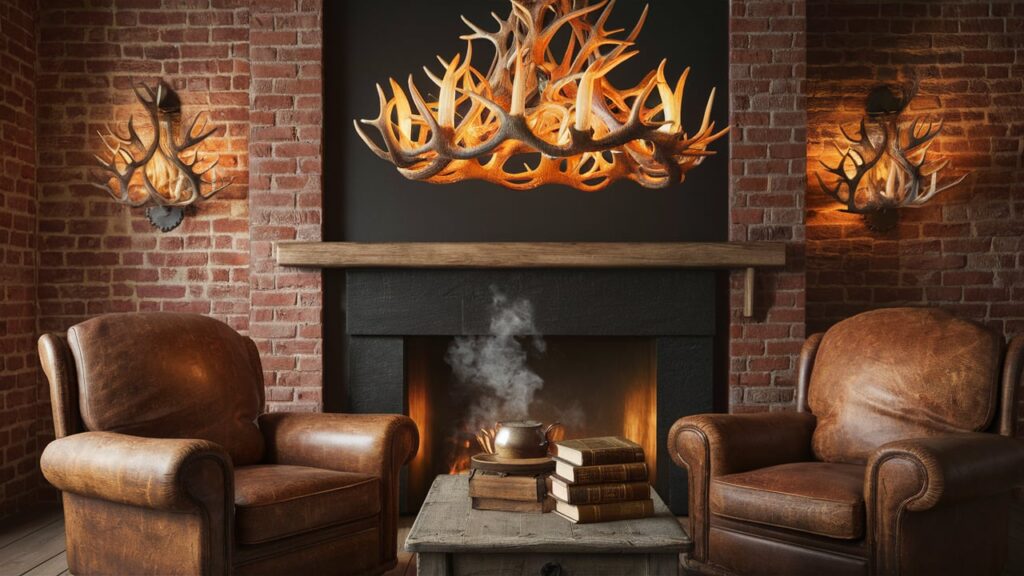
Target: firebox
603, 352
590, 386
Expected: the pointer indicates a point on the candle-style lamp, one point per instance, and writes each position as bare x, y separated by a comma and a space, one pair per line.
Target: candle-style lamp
549, 102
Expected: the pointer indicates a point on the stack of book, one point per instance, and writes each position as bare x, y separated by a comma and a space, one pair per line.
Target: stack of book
510, 493
600, 480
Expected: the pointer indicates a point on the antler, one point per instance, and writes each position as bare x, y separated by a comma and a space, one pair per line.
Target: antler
169, 176
853, 166
126, 149
896, 182
586, 133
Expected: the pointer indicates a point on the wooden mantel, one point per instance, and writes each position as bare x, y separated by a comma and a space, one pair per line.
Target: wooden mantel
531, 255
711, 255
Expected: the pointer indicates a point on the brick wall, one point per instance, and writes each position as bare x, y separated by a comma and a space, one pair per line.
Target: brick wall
20, 401
285, 197
767, 200
964, 251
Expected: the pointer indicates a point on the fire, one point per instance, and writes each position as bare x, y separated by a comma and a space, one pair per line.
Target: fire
464, 447
639, 421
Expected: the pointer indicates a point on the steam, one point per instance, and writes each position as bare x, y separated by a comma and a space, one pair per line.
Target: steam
496, 365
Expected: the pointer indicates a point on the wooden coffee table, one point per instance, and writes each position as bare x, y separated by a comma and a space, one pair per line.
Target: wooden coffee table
451, 539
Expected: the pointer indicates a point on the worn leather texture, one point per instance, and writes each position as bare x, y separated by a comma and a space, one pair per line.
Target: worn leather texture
274, 502
808, 354
901, 373
816, 497
713, 445
372, 444
908, 397
150, 486
167, 375
147, 472
105, 537
59, 367
741, 553
340, 555
1013, 380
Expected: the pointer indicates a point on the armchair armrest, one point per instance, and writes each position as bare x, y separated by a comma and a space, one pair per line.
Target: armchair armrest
925, 473
365, 443
374, 444
731, 443
165, 474
713, 445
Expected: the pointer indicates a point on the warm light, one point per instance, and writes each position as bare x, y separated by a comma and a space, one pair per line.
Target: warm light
886, 165
640, 419
562, 113
161, 165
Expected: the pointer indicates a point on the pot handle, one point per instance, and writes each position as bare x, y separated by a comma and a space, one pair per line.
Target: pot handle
554, 433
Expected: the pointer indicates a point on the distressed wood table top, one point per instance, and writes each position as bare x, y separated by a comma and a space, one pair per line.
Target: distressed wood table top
447, 523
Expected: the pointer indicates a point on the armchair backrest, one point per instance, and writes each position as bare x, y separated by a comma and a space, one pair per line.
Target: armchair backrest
901, 373
159, 375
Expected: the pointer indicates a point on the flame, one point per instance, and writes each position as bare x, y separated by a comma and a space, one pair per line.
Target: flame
640, 421
419, 410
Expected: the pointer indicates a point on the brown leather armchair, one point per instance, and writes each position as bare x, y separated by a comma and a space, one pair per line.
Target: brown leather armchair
168, 466
900, 458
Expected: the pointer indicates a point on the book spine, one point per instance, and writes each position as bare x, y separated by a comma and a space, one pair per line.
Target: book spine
531, 490
612, 456
605, 493
610, 473
616, 511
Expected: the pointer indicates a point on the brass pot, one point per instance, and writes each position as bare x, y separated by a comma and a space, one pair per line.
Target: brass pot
519, 440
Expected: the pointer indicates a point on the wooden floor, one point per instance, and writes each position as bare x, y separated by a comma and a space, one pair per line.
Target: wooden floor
32, 544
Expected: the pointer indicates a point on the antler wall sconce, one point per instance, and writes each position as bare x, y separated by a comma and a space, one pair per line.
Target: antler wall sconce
165, 168
886, 166
563, 110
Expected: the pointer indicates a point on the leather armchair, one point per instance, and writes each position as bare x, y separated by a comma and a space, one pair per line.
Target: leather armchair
900, 458
167, 464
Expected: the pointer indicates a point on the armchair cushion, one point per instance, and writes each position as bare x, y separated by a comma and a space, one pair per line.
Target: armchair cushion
274, 502
164, 375
815, 497
901, 373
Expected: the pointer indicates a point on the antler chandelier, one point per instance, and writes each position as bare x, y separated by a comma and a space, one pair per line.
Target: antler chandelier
886, 165
166, 168
562, 109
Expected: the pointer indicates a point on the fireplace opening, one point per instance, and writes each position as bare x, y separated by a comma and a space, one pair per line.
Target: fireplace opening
593, 386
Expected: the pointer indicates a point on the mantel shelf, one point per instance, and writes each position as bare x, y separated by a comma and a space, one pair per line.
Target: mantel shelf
710, 255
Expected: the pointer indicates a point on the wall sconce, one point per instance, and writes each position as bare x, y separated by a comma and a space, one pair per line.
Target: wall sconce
564, 112
885, 167
167, 173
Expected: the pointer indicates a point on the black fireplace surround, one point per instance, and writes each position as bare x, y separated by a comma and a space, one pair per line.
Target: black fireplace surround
675, 307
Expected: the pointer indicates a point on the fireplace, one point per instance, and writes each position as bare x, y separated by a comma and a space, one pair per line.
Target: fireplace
625, 352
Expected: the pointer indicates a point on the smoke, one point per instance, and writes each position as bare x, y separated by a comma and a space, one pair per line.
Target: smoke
495, 366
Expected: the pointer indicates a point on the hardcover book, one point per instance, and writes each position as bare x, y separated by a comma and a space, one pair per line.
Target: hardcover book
590, 513
519, 488
545, 505
633, 472
598, 451
599, 493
